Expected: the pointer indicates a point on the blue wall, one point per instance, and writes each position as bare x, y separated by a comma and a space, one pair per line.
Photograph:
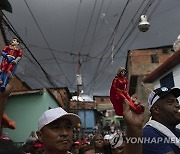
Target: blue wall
87, 119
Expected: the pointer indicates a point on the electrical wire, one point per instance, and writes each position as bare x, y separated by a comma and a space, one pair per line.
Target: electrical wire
46, 44
106, 47
75, 27
101, 67
145, 10
88, 26
16, 34
105, 66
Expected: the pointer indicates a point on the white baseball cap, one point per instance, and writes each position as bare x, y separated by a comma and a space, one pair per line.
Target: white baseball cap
161, 92
107, 137
54, 114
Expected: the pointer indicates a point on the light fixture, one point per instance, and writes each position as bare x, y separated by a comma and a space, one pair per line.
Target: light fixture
143, 24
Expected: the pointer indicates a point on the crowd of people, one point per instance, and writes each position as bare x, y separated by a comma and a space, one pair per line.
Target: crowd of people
55, 129
55, 135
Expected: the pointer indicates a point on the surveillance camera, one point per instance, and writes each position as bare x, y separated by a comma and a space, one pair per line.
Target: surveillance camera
143, 24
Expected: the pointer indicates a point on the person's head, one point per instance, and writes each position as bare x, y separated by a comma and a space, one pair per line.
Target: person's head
106, 139
55, 130
14, 42
164, 105
121, 71
87, 150
117, 143
38, 148
85, 142
98, 142
75, 147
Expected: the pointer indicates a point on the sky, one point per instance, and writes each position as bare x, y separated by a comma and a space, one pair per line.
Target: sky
92, 37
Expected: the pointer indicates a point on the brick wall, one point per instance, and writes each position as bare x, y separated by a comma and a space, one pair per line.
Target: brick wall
140, 61
81, 105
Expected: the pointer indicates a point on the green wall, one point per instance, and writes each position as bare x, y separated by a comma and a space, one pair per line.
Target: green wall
25, 110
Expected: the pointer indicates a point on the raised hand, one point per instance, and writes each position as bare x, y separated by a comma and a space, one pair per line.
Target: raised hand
132, 118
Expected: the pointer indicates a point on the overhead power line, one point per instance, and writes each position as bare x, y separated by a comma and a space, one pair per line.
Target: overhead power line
9, 25
106, 63
88, 25
75, 27
46, 42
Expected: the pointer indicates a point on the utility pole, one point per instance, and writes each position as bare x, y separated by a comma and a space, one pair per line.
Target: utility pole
79, 84
78, 80
78, 76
